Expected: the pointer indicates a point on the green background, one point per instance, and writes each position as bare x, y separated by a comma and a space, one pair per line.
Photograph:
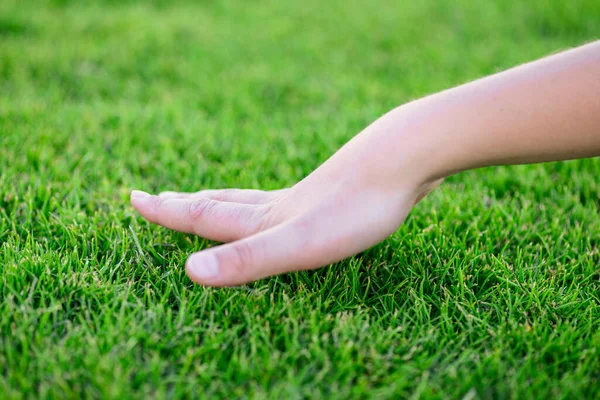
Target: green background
490, 289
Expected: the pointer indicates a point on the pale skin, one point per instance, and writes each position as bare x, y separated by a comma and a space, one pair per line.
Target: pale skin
546, 110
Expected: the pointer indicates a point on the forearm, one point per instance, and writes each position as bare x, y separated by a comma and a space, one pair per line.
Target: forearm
545, 110
542, 111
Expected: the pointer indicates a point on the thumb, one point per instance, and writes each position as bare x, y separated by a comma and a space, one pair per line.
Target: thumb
280, 249
305, 242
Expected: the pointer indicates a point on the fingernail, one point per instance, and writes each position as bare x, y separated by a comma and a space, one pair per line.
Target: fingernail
203, 265
138, 194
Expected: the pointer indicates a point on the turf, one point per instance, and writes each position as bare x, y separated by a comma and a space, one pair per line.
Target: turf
490, 290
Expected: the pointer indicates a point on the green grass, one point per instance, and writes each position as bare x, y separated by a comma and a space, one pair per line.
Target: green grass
490, 290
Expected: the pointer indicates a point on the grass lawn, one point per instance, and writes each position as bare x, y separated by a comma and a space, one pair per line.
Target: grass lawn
490, 290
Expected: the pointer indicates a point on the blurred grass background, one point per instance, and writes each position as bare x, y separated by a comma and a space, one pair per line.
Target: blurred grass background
490, 290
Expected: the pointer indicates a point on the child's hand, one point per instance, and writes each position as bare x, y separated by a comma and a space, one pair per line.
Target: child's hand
326, 217
542, 111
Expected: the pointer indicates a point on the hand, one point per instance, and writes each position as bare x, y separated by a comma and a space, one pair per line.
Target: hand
335, 212
542, 111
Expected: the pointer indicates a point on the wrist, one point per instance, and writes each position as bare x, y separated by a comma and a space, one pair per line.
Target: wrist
413, 144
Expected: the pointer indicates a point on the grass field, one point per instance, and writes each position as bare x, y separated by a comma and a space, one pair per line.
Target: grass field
490, 290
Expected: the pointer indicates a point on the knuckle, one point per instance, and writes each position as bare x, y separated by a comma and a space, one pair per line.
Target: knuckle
198, 209
242, 257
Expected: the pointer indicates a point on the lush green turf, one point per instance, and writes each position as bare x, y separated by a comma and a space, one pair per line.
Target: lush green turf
491, 289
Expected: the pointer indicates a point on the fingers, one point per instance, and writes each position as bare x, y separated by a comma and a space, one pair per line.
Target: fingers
286, 247
306, 242
211, 219
245, 196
